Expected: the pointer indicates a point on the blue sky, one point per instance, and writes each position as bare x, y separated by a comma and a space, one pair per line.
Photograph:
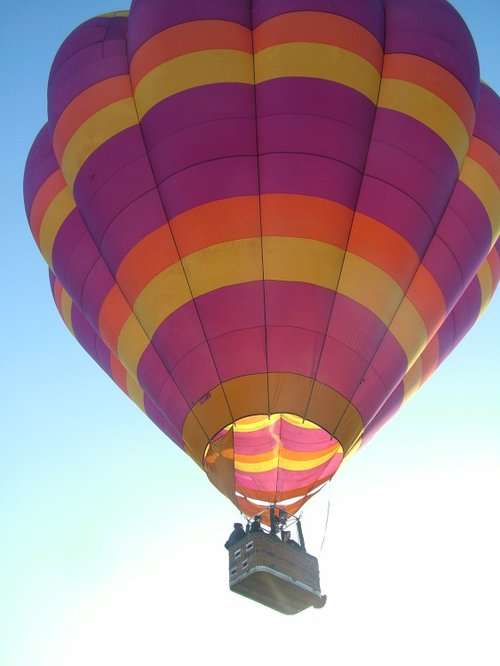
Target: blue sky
111, 540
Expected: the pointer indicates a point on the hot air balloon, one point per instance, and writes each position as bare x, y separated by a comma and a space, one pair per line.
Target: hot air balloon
269, 221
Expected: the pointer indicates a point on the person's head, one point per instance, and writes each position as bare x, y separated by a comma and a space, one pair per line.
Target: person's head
236, 525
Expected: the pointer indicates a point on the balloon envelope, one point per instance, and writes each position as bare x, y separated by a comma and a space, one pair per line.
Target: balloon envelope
269, 222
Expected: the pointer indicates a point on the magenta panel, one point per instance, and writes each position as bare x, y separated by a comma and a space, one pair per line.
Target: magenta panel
293, 350
239, 306
239, 353
297, 304
178, 335
340, 367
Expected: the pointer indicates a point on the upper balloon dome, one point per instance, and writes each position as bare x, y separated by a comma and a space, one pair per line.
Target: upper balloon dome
269, 221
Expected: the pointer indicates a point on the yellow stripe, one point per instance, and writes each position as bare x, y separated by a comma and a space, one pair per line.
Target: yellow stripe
284, 463
190, 71
135, 392
95, 131
484, 187
429, 109
66, 307
132, 343
412, 380
216, 266
164, 294
319, 61
485, 277
57, 212
370, 286
209, 269
302, 260
289, 260
409, 330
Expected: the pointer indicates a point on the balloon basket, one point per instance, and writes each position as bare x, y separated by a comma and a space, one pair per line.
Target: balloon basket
276, 574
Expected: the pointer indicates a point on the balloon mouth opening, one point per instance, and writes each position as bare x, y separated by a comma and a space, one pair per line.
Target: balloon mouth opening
279, 459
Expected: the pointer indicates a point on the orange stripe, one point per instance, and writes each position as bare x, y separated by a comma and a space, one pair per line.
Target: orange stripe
145, 260
188, 38
227, 220
118, 373
428, 299
58, 295
114, 313
216, 222
435, 78
301, 216
486, 156
84, 106
382, 246
319, 28
493, 260
54, 184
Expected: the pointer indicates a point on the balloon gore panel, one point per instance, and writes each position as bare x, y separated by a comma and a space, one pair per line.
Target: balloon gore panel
269, 223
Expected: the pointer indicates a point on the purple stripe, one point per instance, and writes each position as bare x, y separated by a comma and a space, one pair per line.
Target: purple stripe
52, 281
396, 210
315, 97
293, 350
412, 137
74, 254
232, 308
161, 390
404, 172
130, 226
216, 139
310, 175
164, 424
195, 375
369, 396
298, 305
340, 367
149, 17
368, 13
112, 178
93, 52
40, 164
467, 250
195, 106
315, 136
443, 266
388, 410
103, 356
469, 208
97, 286
466, 311
178, 335
488, 120
434, 30
239, 353
362, 331
220, 179
84, 333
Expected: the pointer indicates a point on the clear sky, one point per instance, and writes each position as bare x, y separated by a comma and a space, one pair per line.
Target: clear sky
111, 540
